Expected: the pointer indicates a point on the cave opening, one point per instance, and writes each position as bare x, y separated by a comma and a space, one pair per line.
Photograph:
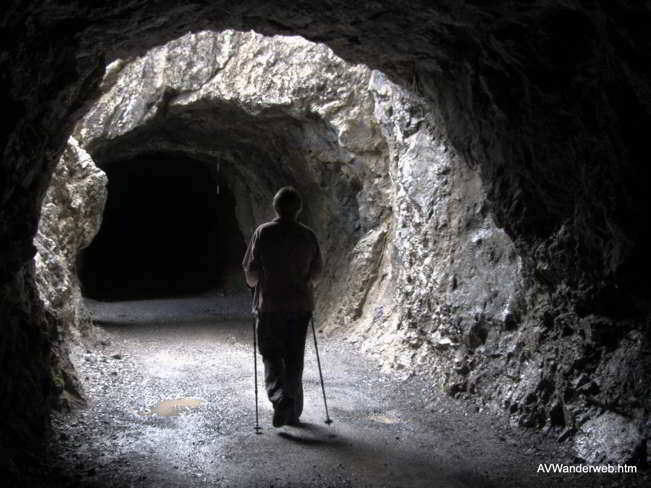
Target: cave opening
169, 229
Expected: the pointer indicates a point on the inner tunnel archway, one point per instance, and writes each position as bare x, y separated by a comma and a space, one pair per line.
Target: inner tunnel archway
169, 228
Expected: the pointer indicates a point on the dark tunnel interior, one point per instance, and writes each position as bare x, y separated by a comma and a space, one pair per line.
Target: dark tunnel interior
169, 229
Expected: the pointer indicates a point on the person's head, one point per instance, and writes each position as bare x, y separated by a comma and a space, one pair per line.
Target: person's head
287, 202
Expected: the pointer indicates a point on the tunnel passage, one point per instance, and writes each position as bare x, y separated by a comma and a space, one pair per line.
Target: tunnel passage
463, 66
169, 229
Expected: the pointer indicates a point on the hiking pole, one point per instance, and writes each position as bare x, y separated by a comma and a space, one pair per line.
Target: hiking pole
328, 420
255, 375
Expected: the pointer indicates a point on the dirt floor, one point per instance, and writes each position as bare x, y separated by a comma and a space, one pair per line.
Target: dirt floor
171, 404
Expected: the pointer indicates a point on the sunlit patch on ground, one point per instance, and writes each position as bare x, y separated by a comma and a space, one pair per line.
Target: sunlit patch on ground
384, 419
171, 408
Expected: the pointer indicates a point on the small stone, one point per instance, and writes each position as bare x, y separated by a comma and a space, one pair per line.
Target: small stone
567, 432
609, 438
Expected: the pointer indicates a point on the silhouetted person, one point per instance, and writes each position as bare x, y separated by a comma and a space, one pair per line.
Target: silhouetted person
282, 262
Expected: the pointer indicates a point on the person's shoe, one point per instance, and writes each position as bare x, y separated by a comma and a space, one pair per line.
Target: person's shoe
294, 421
283, 412
278, 419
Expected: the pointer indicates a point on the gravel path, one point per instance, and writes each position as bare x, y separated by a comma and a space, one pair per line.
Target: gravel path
171, 404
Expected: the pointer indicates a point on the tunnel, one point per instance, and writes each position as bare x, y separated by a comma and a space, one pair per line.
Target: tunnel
168, 229
476, 173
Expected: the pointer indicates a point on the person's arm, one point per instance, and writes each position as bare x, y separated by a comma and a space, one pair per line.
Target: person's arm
316, 265
251, 262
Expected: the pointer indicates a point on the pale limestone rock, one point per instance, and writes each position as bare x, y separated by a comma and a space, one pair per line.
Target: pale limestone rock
70, 217
609, 437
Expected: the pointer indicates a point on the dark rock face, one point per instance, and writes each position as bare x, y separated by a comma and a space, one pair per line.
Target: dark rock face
550, 101
29, 388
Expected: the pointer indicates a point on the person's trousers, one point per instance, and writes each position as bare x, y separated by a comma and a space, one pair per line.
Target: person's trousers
281, 342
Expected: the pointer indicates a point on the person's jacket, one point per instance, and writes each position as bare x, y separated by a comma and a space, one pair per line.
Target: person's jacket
282, 261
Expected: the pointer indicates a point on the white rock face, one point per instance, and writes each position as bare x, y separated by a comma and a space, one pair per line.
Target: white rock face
71, 216
454, 273
607, 437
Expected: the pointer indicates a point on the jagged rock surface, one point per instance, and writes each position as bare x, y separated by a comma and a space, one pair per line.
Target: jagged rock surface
379, 177
263, 112
28, 387
418, 272
70, 218
550, 100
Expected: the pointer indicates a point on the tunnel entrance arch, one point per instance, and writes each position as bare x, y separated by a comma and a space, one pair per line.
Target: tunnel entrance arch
169, 229
401, 219
386, 195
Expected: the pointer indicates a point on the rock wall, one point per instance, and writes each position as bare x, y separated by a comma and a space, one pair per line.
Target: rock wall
549, 101
27, 388
456, 301
418, 271
454, 275
71, 216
